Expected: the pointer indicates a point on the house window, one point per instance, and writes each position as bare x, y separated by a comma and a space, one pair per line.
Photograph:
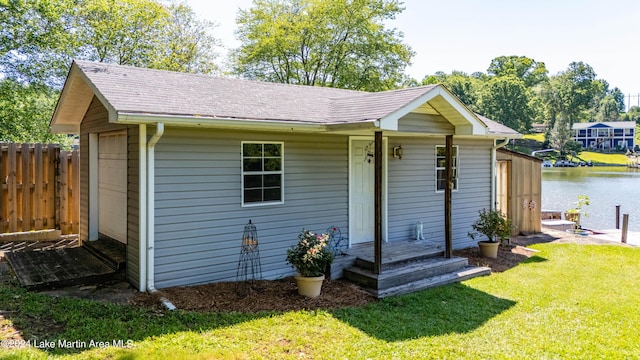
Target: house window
262, 172
441, 170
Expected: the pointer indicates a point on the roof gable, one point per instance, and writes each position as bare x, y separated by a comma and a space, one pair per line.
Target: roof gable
605, 124
138, 95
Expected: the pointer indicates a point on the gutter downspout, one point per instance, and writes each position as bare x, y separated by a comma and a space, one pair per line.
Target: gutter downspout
142, 207
494, 164
150, 214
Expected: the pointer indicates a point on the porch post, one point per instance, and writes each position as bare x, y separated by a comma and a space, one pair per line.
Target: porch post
377, 247
448, 230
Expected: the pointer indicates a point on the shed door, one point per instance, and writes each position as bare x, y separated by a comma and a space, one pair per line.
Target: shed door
503, 187
112, 185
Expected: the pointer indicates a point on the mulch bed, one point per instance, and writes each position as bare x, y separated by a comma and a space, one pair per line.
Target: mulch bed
508, 257
276, 295
282, 295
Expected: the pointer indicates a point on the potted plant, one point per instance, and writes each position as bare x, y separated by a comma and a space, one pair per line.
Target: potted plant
575, 213
495, 226
311, 258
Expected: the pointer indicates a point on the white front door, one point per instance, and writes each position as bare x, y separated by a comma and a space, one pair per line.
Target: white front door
361, 191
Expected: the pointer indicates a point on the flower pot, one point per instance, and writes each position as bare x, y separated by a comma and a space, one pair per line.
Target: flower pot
488, 249
309, 286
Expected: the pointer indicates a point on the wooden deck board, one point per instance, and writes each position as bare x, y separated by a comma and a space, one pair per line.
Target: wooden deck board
56, 268
110, 251
397, 251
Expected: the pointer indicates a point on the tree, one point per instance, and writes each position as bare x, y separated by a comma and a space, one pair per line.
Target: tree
572, 94
189, 45
522, 67
608, 109
506, 100
333, 43
633, 114
560, 134
41, 37
37, 39
462, 85
618, 96
25, 111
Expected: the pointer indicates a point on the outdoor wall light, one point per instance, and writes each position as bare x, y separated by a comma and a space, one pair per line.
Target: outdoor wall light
397, 152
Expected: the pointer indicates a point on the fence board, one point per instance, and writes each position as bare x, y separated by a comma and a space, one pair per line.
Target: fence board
12, 189
26, 187
39, 188
51, 189
63, 191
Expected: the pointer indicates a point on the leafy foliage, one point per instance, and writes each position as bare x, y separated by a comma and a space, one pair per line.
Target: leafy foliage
332, 43
25, 111
526, 69
492, 224
506, 99
38, 39
311, 255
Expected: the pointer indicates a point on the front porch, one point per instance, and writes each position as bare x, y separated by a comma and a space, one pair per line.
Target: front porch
406, 266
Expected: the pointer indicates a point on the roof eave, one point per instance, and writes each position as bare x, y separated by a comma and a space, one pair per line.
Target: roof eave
221, 123
74, 100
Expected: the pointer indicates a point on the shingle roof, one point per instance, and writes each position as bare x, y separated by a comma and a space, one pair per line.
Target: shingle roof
138, 90
131, 90
495, 127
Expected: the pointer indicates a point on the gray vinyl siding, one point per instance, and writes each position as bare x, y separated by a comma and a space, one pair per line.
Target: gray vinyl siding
426, 124
412, 195
199, 218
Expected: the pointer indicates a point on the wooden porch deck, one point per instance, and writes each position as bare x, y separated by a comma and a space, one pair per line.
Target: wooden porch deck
46, 269
407, 266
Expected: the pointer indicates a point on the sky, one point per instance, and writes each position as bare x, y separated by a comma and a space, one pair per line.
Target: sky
465, 35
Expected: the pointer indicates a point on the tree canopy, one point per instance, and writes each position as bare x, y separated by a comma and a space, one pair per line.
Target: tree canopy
38, 39
333, 43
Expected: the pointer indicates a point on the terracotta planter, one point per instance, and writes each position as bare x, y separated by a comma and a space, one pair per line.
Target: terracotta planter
309, 286
488, 249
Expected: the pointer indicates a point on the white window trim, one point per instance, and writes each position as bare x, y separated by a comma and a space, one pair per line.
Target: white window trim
281, 173
456, 168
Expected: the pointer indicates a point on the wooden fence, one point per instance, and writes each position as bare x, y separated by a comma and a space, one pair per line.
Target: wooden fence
40, 188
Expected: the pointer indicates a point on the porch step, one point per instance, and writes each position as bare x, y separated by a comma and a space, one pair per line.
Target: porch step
111, 252
399, 273
466, 273
392, 260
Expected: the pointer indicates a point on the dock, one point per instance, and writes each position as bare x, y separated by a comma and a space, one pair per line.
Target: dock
615, 235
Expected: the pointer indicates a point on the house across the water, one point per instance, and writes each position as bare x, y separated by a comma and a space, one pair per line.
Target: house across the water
605, 136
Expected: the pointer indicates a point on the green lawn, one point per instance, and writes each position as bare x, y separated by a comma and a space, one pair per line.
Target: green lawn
601, 158
536, 137
569, 301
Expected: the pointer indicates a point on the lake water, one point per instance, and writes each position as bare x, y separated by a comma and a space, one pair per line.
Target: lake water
606, 187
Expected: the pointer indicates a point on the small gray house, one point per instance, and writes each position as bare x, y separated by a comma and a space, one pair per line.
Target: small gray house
174, 165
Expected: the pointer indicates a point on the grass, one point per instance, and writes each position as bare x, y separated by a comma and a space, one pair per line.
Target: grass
537, 137
569, 301
601, 158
